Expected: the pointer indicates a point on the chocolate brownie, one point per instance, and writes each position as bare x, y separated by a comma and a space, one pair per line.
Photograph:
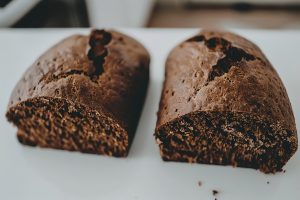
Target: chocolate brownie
84, 94
223, 103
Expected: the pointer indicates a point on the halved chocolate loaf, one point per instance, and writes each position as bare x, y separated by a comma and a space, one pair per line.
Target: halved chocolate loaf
84, 94
223, 103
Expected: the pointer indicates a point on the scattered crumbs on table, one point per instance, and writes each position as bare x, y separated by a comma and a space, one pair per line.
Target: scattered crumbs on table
199, 183
215, 192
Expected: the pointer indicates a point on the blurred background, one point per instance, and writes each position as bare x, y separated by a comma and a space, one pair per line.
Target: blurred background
267, 14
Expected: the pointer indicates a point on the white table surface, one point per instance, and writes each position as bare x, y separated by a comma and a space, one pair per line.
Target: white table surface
34, 173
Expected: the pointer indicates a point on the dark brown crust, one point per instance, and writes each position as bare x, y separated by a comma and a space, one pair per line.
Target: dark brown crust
106, 73
220, 74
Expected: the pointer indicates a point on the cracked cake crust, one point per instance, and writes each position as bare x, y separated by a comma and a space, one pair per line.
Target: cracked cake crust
102, 77
223, 103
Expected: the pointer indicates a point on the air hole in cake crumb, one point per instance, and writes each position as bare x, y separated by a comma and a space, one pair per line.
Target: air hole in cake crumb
34, 88
176, 110
38, 63
19, 99
56, 91
173, 93
28, 103
54, 59
165, 107
167, 91
183, 81
189, 99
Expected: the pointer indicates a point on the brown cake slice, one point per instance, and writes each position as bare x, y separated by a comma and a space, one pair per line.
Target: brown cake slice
223, 103
84, 94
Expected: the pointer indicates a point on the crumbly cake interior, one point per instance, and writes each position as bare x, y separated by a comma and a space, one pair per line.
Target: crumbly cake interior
61, 124
226, 138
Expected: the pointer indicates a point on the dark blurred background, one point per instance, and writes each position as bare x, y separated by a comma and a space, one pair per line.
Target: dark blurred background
267, 14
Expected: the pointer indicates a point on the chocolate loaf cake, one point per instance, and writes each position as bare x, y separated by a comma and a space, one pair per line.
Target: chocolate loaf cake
84, 94
223, 103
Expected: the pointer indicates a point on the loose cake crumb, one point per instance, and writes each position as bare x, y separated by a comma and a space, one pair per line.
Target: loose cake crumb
215, 192
199, 183
268, 182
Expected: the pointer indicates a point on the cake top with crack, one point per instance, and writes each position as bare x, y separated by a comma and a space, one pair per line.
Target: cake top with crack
100, 71
221, 71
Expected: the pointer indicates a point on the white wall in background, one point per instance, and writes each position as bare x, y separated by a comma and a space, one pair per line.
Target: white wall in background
265, 2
